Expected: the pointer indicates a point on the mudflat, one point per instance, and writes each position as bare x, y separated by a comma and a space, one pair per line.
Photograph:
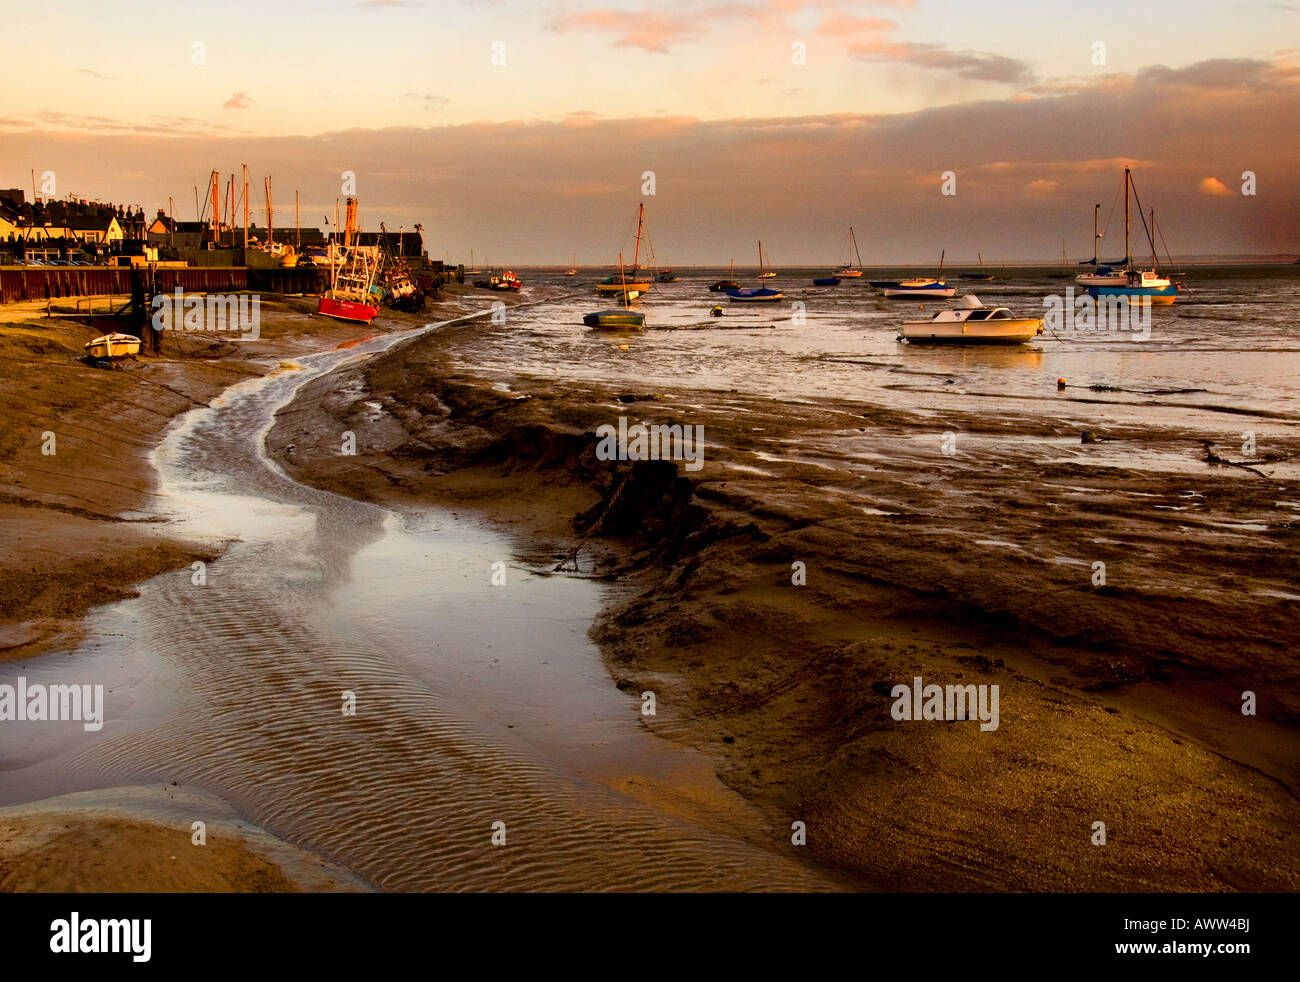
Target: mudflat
776, 597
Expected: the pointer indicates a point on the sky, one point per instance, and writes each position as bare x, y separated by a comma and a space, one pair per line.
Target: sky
525, 131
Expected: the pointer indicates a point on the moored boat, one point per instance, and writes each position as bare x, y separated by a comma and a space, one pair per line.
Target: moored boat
972, 323
826, 281
1139, 286
113, 345
761, 294
634, 279
620, 319
848, 270
922, 287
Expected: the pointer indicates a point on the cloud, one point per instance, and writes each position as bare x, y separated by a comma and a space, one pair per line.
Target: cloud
1214, 186
650, 30
432, 102
87, 71
536, 191
237, 101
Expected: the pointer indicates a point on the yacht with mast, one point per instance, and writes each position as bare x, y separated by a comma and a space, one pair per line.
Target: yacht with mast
634, 280
848, 270
1129, 284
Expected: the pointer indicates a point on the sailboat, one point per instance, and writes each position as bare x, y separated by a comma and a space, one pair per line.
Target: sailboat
474, 270
848, 270
573, 270
760, 295
924, 286
621, 319
762, 273
981, 276
1131, 285
635, 281
722, 286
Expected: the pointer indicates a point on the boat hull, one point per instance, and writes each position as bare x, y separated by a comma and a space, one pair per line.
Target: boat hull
618, 289
754, 296
922, 291
848, 274
615, 320
113, 346
1008, 331
1157, 296
346, 310
826, 281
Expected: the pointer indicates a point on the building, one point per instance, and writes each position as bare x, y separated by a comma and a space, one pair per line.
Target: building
164, 230
408, 245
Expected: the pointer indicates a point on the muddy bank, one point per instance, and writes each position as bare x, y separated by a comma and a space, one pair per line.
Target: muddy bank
143, 839
1120, 703
75, 479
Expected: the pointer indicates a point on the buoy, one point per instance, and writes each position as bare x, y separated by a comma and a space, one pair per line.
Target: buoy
622, 347
716, 311
1060, 383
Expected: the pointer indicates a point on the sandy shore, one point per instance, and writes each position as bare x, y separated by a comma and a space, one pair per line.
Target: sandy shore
142, 839
1119, 703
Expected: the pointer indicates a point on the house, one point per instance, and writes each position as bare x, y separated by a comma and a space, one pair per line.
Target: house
164, 230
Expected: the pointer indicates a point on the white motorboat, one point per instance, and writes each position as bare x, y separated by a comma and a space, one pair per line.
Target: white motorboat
972, 323
113, 346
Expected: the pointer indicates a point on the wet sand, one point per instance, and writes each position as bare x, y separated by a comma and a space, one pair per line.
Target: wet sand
1120, 703
74, 530
142, 839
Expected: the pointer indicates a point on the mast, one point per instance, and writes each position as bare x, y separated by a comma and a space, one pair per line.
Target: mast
1127, 180
1096, 232
216, 207
245, 208
297, 221
1154, 261
854, 240
942, 255
270, 225
640, 219
622, 280
760, 262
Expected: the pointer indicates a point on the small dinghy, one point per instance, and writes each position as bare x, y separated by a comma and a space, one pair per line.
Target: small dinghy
113, 346
972, 323
826, 281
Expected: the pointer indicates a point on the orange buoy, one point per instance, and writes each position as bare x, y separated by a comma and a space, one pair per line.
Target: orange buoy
1060, 383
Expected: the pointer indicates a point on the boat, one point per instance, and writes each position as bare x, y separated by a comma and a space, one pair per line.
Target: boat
473, 270
972, 323
826, 281
352, 293
113, 345
667, 276
761, 294
573, 270
635, 278
981, 276
762, 273
848, 270
500, 282
1131, 285
923, 286
1139, 286
620, 319
722, 286
883, 284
